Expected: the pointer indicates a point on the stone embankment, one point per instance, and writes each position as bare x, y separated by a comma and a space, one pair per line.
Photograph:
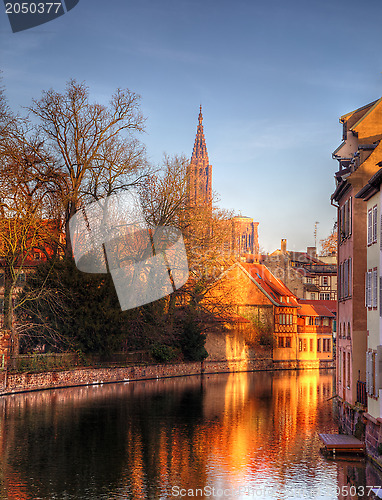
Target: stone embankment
11, 383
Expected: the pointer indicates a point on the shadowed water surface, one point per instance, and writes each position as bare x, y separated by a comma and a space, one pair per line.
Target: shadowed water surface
243, 435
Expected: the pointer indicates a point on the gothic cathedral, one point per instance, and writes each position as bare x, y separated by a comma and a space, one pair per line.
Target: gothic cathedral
244, 244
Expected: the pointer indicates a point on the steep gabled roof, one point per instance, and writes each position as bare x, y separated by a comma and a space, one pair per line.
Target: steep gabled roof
372, 107
273, 288
363, 109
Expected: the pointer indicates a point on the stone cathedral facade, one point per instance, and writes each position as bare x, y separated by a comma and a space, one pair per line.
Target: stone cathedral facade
244, 242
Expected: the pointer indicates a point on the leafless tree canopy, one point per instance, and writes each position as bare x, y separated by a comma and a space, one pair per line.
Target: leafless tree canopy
94, 144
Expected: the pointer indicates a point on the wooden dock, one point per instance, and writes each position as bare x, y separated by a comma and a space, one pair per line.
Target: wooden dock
342, 443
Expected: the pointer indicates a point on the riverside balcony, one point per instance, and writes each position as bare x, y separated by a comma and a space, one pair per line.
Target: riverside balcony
326, 330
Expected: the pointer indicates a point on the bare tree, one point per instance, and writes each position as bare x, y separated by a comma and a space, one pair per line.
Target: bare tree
164, 194
206, 232
329, 244
29, 220
88, 142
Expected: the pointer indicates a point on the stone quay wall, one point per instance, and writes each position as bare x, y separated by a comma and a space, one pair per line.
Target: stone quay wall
12, 383
354, 420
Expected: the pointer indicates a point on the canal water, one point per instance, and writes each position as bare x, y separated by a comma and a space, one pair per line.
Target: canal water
242, 435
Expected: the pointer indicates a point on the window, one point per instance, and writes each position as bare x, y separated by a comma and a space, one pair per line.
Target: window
312, 296
324, 296
325, 280
345, 279
326, 345
372, 373
348, 370
317, 321
325, 322
37, 256
345, 220
374, 236
375, 288
305, 344
309, 280
372, 218
288, 341
369, 226
311, 345
281, 341
368, 298
318, 345
339, 280
339, 366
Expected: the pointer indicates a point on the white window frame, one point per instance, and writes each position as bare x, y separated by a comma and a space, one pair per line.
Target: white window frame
375, 287
375, 219
369, 226
368, 281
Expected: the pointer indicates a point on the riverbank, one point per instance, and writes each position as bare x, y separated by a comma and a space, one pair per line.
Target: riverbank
13, 383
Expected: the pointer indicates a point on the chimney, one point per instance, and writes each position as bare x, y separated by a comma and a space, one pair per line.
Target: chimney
283, 245
311, 251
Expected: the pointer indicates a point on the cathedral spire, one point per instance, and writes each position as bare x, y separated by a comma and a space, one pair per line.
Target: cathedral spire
199, 153
200, 176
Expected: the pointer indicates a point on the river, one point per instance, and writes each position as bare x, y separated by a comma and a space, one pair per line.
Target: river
241, 435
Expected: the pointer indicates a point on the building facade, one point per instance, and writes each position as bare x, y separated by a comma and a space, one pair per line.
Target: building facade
305, 274
358, 156
371, 195
299, 332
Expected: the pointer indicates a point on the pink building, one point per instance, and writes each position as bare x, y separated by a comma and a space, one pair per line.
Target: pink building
358, 157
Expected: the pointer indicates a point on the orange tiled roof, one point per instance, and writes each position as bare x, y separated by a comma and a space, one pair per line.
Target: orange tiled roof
315, 310
270, 284
328, 304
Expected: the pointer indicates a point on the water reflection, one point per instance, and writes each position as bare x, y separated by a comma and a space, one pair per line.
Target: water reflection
247, 435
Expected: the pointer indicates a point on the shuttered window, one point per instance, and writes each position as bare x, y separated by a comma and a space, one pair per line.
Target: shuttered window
375, 287
368, 289
375, 211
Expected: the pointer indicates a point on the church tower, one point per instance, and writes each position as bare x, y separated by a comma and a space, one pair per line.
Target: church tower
200, 171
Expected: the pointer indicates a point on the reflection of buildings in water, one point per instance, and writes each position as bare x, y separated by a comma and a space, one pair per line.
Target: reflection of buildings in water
153, 435
236, 349
355, 479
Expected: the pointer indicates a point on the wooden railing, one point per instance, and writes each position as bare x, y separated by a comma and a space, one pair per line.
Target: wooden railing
314, 329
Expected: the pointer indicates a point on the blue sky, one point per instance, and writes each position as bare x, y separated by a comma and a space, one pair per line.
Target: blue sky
273, 78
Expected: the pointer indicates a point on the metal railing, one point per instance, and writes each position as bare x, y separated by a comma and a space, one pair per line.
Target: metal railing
361, 393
